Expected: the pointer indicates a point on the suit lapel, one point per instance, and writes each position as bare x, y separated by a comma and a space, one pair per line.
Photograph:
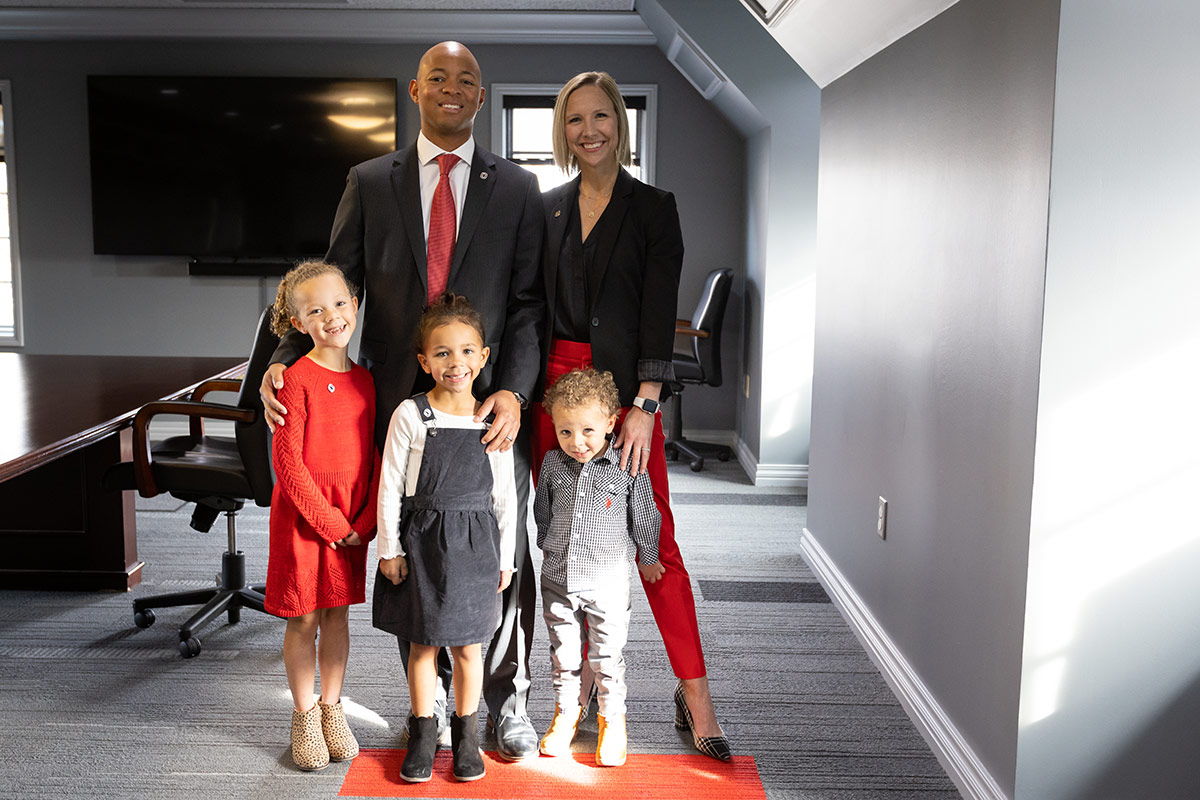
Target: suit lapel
557, 220
618, 204
406, 182
479, 189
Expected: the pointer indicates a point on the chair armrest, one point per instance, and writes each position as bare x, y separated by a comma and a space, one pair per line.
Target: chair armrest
143, 473
196, 427
685, 331
216, 385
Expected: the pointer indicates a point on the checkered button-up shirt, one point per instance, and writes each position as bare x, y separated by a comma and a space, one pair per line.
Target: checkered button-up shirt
593, 519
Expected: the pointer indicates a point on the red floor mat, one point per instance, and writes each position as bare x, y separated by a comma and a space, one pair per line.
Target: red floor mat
376, 773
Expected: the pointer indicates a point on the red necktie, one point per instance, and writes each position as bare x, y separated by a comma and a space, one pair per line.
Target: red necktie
442, 229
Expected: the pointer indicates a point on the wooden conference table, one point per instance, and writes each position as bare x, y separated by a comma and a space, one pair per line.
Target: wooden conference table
64, 420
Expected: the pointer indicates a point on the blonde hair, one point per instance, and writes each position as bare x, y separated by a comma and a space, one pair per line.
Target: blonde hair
448, 307
285, 298
563, 156
579, 387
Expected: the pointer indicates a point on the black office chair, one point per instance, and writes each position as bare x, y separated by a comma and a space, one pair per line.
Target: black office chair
701, 367
216, 473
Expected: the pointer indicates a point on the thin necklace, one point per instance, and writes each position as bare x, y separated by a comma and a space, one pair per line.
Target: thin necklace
582, 193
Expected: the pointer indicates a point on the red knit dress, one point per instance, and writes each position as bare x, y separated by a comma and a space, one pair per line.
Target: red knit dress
327, 481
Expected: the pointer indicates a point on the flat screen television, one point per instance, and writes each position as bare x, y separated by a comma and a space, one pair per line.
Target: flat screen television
228, 168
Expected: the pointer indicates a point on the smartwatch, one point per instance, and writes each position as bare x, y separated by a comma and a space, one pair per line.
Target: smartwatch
646, 404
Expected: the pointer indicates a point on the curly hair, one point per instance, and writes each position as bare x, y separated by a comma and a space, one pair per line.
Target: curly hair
285, 298
448, 307
579, 387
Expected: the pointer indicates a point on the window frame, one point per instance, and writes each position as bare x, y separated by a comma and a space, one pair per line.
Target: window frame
500, 139
6, 109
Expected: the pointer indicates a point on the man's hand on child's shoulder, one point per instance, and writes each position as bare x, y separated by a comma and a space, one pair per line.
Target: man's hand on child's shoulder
652, 572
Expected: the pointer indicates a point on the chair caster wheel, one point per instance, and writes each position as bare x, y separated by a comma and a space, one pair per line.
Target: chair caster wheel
144, 618
189, 648
697, 465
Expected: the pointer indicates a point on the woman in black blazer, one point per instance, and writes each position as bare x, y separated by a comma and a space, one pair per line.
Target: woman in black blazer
612, 255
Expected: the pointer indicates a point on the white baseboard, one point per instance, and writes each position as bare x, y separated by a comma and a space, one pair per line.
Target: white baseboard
951, 749
779, 475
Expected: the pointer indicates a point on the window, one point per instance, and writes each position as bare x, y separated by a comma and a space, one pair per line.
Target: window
10, 310
523, 121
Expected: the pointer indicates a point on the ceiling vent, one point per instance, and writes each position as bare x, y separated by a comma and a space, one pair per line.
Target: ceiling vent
700, 71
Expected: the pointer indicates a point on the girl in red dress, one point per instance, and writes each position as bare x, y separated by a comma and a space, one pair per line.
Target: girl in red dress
323, 508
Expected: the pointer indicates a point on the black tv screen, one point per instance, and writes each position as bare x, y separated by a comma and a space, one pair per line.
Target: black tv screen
228, 167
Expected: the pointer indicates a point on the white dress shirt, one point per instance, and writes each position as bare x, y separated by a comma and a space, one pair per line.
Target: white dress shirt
460, 176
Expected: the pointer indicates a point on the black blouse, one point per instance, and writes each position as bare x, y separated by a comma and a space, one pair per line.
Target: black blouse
572, 309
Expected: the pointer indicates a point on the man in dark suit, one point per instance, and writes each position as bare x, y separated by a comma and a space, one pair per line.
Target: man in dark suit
379, 240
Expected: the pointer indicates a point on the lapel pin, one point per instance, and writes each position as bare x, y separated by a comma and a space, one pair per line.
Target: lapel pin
483, 176
331, 388
557, 214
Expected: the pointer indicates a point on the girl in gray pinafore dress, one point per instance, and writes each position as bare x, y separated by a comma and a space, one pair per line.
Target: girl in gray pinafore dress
446, 535
449, 533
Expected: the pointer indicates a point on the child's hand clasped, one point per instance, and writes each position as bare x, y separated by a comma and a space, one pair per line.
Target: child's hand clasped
652, 572
394, 569
350, 541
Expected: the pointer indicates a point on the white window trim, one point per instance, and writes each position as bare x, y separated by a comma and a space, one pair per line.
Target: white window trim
497, 91
17, 339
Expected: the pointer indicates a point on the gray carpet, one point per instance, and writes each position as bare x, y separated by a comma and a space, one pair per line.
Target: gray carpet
91, 707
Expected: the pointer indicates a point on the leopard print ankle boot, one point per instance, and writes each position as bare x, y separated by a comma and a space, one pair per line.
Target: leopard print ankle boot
309, 750
338, 736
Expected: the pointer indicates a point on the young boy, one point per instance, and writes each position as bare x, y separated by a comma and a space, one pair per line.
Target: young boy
593, 519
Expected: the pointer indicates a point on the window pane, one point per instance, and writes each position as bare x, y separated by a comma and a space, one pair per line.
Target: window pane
635, 133
531, 130
7, 301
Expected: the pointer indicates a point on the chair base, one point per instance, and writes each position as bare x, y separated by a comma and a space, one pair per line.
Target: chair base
696, 451
230, 598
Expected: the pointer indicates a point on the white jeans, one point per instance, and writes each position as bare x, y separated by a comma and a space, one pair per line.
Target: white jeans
595, 622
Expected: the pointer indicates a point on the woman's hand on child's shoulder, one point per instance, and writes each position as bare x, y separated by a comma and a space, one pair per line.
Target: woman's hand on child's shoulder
394, 569
505, 579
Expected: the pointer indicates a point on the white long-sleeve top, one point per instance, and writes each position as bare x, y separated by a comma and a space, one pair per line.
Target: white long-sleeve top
402, 454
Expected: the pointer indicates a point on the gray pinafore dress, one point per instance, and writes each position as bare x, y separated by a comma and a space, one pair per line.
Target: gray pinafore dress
451, 540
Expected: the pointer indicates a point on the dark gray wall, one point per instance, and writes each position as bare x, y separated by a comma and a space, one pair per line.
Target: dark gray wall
1110, 698
934, 182
777, 106
77, 302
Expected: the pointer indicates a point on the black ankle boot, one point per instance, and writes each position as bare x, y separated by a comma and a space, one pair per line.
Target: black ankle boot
422, 746
464, 743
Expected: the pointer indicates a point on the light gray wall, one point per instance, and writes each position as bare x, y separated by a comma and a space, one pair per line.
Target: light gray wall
934, 182
77, 302
1110, 701
780, 106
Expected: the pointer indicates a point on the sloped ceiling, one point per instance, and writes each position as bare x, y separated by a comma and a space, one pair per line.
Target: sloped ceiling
828, 38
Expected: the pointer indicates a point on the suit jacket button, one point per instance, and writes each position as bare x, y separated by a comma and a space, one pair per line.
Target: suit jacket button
595, 322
